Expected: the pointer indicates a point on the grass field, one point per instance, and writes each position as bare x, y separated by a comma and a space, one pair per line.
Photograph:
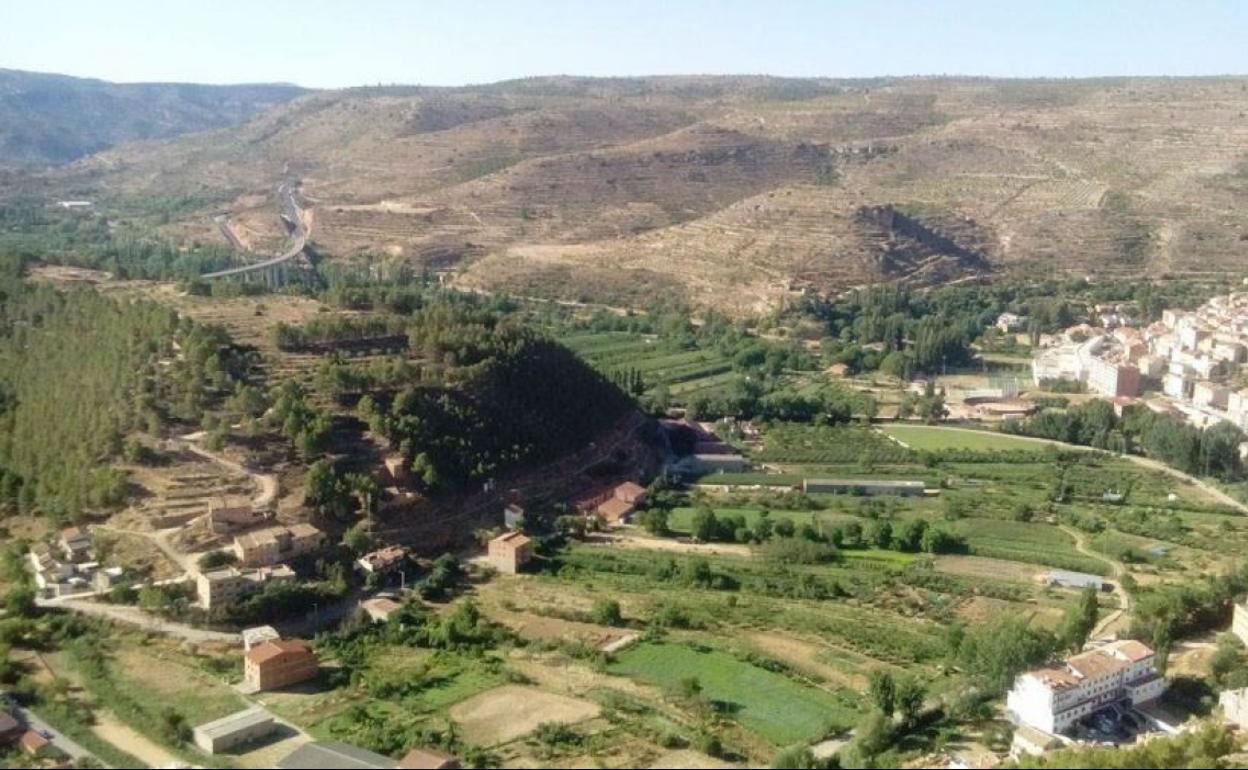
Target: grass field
933, 439
775, 706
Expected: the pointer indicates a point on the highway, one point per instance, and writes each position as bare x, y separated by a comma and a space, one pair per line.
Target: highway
291, 213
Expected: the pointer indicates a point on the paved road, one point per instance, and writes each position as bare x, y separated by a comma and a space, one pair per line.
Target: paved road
292, 212
124, 613
72, 750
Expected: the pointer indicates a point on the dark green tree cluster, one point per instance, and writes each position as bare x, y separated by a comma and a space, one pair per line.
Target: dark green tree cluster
78, 371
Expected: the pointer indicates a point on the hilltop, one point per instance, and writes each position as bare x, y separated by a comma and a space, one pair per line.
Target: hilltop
50, 119
730, 192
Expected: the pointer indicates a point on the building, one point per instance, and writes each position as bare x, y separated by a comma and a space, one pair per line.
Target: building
429, 759
1211, 395
237, 729
109, 578
702, 464
1239, 621
869, 487
1032, 742
253, 637
513, 516
1010, 322
1234, 705
334, 755
1113, 379
1067, 579
396, 469
75, 544
621, 502
34, 744
383, 560
1054, 698
10, 729
230, 585
277, 544
509, 553
275, 664
380, 608
225, 518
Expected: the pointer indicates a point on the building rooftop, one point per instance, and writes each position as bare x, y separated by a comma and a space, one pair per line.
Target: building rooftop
274, 648
239, 720
1095, 663
513, 539
1129, 650
333, 755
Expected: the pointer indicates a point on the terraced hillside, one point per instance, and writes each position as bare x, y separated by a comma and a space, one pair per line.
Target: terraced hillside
730, 192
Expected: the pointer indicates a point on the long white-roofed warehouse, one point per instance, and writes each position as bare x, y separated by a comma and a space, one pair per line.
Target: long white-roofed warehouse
237, 729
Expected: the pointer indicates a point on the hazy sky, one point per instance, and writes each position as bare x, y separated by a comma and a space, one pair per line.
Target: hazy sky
330, 43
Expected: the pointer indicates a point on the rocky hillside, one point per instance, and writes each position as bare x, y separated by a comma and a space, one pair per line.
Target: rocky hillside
734, 192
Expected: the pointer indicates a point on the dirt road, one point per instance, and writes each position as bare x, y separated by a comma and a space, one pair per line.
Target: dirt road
1117, 570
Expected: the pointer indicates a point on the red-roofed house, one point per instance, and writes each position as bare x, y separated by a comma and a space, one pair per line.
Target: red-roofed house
279, 663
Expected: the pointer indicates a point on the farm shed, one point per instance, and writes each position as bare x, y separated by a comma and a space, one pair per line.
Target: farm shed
870, 487
232, 731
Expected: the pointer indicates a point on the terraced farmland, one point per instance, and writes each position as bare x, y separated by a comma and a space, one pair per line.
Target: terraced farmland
682, 372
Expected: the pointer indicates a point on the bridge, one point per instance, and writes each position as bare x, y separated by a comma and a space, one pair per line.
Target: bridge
275, 271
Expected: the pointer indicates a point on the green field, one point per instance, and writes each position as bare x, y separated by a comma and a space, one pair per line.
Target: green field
924, 438
775, 706
828, 445
682, 372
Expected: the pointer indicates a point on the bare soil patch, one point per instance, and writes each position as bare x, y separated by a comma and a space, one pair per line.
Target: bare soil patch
509, 712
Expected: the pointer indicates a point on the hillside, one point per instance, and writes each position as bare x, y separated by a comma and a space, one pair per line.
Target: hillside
732, 192
50, 119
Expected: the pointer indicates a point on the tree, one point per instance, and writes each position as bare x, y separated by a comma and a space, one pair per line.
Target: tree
655, 521
883, 691
607, 612
1080, 619
909, 700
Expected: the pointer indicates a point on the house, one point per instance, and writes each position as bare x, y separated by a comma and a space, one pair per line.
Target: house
10, 729
34, 744
225, 518
383, 560
615, 511
1054, 698
429, 759
868, 487
275, 664
380, 608
108, 578
235, 730
630, 492
1010, 322
1112, 379
230, 585
513, 516
75, 544
1032, 742
259, 635
277, 544
1239, 621
509, 553
396, 469
1234, 705
334, 755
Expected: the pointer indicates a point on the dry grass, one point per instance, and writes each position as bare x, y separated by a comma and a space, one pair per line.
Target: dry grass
505, 713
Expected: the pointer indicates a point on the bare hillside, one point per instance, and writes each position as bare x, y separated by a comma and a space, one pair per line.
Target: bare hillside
732, 192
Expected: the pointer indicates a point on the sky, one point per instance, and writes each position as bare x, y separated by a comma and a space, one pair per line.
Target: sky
339, 43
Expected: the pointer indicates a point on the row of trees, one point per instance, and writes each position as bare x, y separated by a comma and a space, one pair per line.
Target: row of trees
1212, 451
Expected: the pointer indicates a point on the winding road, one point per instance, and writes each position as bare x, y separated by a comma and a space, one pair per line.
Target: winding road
293, 214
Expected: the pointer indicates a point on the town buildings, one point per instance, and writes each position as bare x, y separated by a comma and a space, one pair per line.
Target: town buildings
508, 553
276, 664
277, 544
1054, 698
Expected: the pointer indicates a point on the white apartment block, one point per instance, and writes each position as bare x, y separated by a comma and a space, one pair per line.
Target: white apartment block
1054, 698
230, 585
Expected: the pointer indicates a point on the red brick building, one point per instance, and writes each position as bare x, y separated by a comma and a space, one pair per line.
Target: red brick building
279, 663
